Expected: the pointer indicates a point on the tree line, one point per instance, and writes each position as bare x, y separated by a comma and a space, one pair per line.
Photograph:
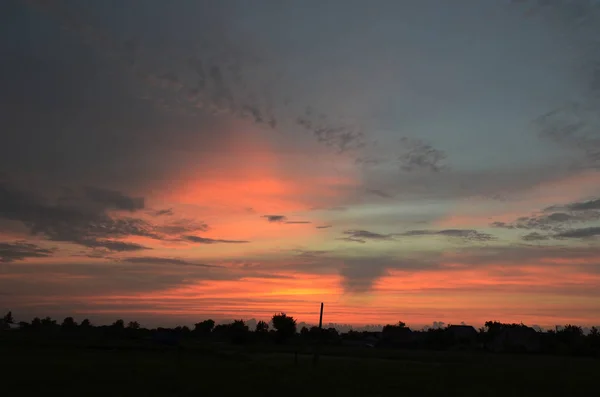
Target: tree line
282, 329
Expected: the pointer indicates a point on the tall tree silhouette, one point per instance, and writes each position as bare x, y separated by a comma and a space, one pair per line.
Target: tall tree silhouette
285, 326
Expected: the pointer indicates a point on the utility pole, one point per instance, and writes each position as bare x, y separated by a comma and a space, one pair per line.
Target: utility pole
319, 338
321, 317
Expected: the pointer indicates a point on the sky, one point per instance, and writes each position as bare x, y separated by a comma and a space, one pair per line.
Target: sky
414, 161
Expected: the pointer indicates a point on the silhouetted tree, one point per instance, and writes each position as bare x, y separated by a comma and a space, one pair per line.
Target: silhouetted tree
238, 332
48, 322
133, 325
594, 340
394, 327
204, 327
68, 324
36, 323
86, 324
118, 325
262, 327
8, 318
285, 326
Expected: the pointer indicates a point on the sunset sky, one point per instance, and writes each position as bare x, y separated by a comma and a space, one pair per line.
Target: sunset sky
422, 161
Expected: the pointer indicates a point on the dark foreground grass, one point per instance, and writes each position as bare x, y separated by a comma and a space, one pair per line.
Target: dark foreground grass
94, 372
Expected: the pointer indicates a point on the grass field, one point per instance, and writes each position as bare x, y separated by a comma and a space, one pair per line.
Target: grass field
95, 372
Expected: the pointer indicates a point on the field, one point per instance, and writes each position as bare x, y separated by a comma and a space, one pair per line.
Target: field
236, 372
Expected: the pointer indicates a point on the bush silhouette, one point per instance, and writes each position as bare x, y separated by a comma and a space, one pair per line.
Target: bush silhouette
204, 327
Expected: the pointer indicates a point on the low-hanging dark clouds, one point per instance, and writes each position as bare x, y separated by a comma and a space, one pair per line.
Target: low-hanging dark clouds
153, 260
586, 232
465, 234
84, 219
20, 250
558, 219
361, 236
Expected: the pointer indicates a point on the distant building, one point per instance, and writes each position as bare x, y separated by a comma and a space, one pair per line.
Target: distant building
517, 339
463, 335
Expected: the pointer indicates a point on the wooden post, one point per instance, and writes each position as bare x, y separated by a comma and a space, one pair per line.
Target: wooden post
319, 337
321, 317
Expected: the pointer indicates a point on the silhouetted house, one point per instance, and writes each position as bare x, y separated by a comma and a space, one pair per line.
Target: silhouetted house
366, 339
396, 336
8, 326
461, 335
163, 337
517, 339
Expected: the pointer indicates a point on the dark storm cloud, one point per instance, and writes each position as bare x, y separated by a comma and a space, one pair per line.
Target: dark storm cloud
323, 227
419, 155
18, 251
204, 240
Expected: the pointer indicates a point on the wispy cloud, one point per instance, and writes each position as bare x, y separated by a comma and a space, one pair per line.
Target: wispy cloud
275, 218
586, 232
379, 193
153, 260
465, 234
361, 236
205, 240
419, 155
556, 217
165, 212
